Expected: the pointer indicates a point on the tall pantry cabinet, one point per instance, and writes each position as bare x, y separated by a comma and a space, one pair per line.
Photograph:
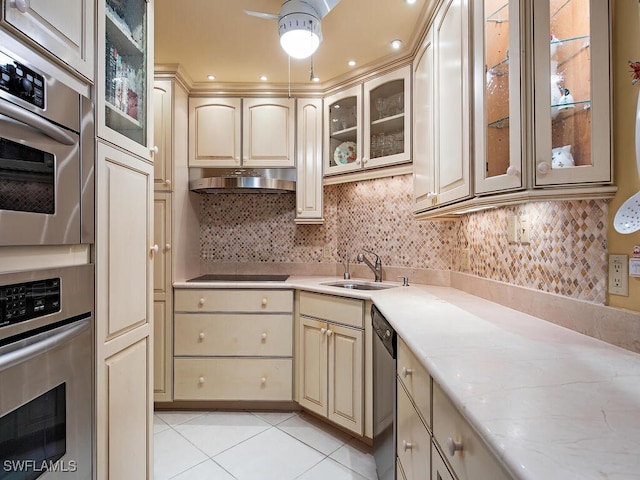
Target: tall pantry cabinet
124, 251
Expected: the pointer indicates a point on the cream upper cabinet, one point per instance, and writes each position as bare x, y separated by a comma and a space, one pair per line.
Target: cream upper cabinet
442, 110
343, 131
387, 119
163, 135
233, 132
124, 115
369, 125
572, 68
309, 194
268, 132
499, 159
424, 181
65, 28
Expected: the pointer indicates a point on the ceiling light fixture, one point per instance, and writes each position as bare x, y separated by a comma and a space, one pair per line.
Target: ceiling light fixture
263, 78
410, 2
300, 33
396, 44
352, 63
211, 77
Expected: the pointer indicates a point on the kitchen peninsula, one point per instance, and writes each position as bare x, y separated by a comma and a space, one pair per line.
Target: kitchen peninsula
547, 401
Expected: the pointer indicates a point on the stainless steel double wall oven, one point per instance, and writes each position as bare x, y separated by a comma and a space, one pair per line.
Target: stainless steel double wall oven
46, 315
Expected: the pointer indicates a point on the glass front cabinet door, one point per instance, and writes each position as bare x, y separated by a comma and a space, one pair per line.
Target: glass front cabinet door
572, 118
498, 79
343, 142
387, 119
125, 74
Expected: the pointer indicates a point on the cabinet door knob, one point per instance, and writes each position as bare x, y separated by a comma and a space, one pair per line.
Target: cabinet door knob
264, 336
20, 5
406, 445
406, 372
329, 333
323, 331
201, 301
154, 248
264, 302
167, 182
453, 446
513, 171
543, 168
154, 149
167, 247
201, 380
364, 159
201, 335
358, 161
299, 211
263, 380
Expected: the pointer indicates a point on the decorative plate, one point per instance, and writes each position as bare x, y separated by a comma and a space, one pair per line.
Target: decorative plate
345, 153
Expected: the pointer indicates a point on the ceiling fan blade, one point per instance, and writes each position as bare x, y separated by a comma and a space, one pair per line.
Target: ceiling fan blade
268, 16
322, 6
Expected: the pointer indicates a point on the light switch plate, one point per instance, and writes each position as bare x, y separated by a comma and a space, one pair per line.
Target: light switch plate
512, 228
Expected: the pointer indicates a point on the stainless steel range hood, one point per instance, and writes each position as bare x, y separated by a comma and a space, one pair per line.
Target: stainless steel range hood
245, 180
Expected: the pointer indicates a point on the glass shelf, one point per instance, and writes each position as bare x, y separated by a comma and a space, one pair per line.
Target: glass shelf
500, 15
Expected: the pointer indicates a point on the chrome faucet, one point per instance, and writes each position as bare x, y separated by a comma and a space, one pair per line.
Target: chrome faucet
376, 269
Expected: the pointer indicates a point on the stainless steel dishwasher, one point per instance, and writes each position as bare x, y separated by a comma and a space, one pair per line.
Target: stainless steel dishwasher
384, 396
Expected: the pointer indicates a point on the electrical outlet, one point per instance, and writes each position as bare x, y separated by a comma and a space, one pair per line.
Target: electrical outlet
619, 275
465, 259
326, 251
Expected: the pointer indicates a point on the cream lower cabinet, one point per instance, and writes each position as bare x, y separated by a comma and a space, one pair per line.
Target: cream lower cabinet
124, 329
413, 447
233, 345
330, 360
162, 298
464, 451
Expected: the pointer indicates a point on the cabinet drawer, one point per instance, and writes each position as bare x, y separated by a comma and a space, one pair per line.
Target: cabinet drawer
413, 440
233, 379
416, 380
234, 301
474, 461
233, 334
346, 311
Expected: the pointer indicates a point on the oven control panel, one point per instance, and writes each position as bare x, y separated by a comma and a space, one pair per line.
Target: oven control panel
24, 301
21, 81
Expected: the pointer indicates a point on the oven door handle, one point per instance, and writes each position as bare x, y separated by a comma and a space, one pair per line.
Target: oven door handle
37, 122
51, 340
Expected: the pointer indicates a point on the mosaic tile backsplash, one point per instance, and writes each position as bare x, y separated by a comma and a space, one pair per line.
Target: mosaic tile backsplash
566, 254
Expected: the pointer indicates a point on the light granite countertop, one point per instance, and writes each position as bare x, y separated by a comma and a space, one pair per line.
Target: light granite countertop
549, 402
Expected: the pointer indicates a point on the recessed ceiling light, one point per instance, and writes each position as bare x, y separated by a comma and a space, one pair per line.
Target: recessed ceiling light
396, 44
263, 78
211, 77
352, 63
316, 79
410, 2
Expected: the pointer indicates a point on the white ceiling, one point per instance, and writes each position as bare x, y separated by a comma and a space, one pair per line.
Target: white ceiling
216, 37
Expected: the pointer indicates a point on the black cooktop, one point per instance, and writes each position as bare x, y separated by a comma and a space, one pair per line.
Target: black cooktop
212, 277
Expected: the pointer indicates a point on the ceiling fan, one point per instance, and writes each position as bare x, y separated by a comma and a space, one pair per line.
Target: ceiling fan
299, 24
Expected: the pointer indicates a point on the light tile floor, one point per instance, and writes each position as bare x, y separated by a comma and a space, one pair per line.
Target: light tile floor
255, 446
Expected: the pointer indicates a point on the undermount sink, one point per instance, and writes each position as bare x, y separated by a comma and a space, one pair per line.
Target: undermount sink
358, 285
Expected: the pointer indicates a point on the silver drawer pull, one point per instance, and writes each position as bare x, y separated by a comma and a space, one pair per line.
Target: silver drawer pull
406, 445
453, 446
407, 371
